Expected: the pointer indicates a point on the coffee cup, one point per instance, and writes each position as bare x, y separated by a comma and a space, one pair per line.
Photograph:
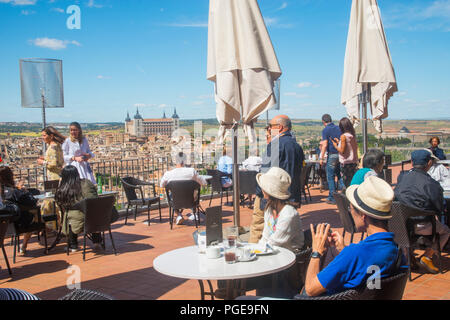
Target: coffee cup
245, 253
48, 194
213, 252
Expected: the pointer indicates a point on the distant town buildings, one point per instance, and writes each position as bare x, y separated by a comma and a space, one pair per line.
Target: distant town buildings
140, 127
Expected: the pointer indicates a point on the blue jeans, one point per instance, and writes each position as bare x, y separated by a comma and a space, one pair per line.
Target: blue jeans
333, 171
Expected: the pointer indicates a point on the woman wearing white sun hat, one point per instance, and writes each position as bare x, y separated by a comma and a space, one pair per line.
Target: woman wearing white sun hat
282, 224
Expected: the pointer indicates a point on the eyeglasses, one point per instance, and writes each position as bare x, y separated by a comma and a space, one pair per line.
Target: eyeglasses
269, 126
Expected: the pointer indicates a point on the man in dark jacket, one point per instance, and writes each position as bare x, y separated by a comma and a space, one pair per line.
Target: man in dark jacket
284, 152
417, 189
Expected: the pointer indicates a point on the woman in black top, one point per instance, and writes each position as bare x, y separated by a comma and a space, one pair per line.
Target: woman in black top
17, 194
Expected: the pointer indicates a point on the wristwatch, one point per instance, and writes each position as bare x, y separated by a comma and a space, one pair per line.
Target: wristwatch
316, 255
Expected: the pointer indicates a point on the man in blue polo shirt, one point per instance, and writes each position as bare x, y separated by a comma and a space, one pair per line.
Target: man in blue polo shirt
333, 167
359, 264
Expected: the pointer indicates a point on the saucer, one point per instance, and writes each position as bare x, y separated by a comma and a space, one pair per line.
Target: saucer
252, 257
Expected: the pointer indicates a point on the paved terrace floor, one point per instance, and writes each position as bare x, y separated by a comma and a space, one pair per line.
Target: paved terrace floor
130, 274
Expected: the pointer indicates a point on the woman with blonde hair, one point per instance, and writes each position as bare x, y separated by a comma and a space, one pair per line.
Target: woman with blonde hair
77, 152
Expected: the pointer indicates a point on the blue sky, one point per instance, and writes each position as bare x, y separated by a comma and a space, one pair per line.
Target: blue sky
152, 54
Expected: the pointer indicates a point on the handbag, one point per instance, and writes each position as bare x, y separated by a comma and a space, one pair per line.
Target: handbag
10, 210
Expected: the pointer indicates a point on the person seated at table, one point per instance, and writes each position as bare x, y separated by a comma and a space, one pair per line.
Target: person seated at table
282, 228
71, 190
416, 189
438, 152
372, 162
16, 194
370, 206
225, 165
180, 172
282, 224
439, 173
252, 163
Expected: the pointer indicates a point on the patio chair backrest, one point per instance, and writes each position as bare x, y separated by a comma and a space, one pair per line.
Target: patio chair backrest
4, 224
391, 288
216, 181
97, 213
51, 185
305, 174
83, 294
247, 182
344, 212
129, 186
401, 223
181, 194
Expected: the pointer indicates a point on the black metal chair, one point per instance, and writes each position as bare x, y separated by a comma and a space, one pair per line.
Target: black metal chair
83, 294
4, 223
402, 225
344, 214
304, 182
391, 288
130, 185
180, 195
51, 186
97, 219
247, 185
216, 184
16, 230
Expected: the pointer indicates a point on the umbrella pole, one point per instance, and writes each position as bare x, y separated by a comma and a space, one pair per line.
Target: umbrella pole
234, 147
44, 124
365, 97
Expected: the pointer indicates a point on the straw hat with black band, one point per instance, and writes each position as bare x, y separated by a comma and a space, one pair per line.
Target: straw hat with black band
373, 197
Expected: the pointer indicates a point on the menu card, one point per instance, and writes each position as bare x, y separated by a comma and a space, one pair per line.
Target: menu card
213, 225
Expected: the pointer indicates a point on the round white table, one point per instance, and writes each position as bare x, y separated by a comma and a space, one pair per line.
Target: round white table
196, 266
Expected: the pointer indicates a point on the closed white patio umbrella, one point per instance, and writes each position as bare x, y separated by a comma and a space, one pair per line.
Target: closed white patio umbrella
243, 65
369, 75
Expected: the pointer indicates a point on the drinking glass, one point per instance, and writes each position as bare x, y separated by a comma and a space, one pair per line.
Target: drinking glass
232, 235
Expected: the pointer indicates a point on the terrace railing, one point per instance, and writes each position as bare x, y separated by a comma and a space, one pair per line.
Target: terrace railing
149, 169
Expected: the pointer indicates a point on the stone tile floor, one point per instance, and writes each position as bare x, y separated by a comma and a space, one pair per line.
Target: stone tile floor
130, 274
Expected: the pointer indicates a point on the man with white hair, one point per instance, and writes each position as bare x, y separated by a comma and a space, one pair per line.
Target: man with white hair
180, 172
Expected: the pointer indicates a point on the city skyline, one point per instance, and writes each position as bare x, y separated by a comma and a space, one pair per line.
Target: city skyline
152, 55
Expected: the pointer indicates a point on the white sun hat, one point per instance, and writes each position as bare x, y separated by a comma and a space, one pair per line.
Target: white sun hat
275, 182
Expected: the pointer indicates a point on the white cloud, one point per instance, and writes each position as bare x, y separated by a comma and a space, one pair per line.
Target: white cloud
58, 10
423, 16
101, 77
27, 13
283, 6
274, 23
307, 85
270, 21
53, 44
20, 2
92, 4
